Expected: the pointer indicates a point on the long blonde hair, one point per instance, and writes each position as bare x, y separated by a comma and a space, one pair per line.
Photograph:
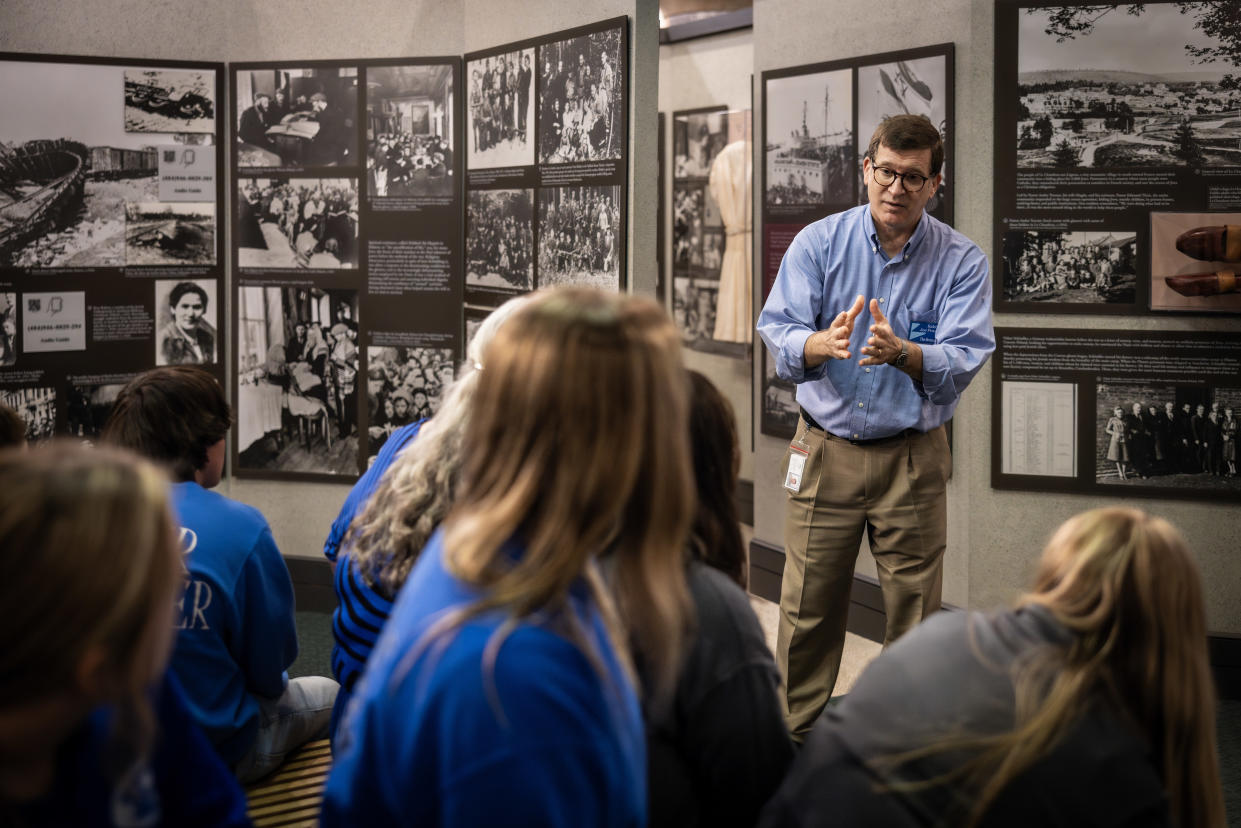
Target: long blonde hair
415, 494
577, 448
1126, 587
88, 549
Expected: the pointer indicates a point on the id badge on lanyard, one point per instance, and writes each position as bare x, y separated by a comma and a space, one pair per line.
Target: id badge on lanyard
798, 452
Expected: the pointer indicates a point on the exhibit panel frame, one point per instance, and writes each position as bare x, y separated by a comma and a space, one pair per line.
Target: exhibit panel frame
805, 177
1117, 412
1109, 123
547, 175
347, 258
111, 258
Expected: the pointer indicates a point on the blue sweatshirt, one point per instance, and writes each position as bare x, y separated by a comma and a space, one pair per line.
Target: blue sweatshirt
184, 783
537, 737
236, 631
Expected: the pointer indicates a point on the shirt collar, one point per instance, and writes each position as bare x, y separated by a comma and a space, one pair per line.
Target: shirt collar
868, 224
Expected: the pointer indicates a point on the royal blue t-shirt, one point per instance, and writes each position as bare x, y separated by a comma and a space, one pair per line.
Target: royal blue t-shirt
236, 633
536, 737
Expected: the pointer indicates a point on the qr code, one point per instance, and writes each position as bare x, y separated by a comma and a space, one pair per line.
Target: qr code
170, 156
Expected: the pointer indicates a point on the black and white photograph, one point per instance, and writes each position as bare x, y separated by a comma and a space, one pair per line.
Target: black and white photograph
297, 117
1167, 436
1191, 257
697, 138
688, 205
169, 100
810, 145
917, 86
164, 233
8, 329
297, 223
473, 321
409, 150
183, 310
499, 240
67, 165
701, 296
87, 408
1106, 86
500, 113
780, 409
404, 385
36, 407
297, 387
579, 237
1078, 267
712, 251
581, 99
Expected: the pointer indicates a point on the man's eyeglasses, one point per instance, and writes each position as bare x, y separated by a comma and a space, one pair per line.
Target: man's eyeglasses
911, 181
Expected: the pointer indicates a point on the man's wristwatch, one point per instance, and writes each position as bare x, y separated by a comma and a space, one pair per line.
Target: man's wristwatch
903, 356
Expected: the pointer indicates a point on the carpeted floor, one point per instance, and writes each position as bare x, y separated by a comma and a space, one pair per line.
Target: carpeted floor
315, 659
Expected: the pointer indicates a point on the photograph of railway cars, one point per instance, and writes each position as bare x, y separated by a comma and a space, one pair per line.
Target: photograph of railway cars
297, 223
68, 166
297, 118
169, 100
409, 120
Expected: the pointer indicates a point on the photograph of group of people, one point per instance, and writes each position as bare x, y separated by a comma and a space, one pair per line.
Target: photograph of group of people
182, 310
87, 408
694, 303
579, 236
500, 117
297, 117
581, 99
297, 223
8, 329
499, 240
1071, 267
403, 385
1168, 436
409, 131
697, 228
297, 379
36, 407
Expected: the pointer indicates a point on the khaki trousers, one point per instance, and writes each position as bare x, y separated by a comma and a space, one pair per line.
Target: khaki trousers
895, 491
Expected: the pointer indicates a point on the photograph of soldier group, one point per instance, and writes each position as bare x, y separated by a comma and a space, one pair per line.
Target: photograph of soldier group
1181, 442
499, 240
578, 229
580, 99
1054, 266
403, 385
298, 222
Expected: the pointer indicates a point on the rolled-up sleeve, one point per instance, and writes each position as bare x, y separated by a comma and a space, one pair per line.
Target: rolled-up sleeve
965, 337
792, 311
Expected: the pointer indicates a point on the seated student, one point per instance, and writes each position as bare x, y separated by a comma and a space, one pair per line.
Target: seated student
406, 506
92, 732
12, 428
236, 636
721, 749
500, 690
1091, 703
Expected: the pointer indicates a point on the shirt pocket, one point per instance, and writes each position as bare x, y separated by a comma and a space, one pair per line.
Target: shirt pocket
922, 325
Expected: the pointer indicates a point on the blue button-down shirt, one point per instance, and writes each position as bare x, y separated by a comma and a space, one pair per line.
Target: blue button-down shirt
936, 291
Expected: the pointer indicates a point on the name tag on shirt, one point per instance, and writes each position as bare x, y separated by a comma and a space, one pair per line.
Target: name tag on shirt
922, 332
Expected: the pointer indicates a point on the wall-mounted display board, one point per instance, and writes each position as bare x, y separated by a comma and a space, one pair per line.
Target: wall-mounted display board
1117, 164
111, 190
817, 125
711, 229
1119, 412
661, 211
547, 134
347, 242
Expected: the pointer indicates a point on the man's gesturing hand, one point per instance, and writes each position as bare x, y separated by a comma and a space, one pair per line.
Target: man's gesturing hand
883, 346
833, 342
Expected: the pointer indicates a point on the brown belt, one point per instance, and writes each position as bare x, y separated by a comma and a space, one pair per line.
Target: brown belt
874, 441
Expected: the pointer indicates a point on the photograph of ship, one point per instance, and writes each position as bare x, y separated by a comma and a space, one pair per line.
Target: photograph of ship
297, 117
903, 87
579, 237
410, 123
499, 246
297, 223
68, 170
169, 100
1078, 267
1103, 86
810, 147
169, 233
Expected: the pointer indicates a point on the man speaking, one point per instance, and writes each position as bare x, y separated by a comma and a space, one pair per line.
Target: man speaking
882, 316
